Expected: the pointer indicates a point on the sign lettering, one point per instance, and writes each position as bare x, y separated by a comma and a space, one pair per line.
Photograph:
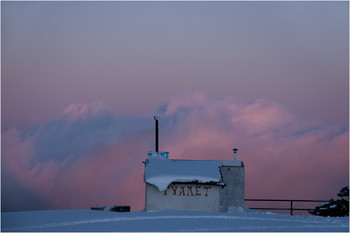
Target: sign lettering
187, 190
206, 187
182, 191
174, 188
197, 191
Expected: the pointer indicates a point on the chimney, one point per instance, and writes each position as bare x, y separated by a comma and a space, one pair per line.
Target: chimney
156, 119
235, 154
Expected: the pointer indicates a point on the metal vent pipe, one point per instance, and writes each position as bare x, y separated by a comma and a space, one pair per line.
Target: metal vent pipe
235, 154
156, 119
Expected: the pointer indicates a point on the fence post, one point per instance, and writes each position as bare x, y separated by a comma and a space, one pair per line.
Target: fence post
291, 207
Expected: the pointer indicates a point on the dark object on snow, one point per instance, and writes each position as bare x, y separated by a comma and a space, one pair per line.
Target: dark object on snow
98, 208
115, 208
120, 208
334, 208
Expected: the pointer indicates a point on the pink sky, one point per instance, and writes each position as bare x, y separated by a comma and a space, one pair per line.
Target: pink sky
81, 82
284, 156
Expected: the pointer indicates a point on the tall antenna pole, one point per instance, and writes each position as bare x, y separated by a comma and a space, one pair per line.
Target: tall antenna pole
156, 119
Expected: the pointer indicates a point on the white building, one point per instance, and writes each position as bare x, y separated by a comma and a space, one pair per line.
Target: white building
203, 185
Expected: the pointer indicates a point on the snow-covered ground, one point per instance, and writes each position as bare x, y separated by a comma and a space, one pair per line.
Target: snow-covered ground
237, 219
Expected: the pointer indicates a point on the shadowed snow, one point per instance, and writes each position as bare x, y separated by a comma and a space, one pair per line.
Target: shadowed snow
238, 219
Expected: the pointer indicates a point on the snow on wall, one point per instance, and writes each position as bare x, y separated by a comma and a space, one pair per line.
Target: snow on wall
162, 172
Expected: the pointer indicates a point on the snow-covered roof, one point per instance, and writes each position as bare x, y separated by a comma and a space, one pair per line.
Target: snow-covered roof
162, 172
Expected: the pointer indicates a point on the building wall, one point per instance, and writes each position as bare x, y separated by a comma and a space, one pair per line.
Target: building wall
232, 194
201, 197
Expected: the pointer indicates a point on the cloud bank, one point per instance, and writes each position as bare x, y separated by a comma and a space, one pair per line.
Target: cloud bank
88, 155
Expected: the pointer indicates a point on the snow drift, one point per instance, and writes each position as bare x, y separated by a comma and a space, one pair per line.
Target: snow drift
238, 219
